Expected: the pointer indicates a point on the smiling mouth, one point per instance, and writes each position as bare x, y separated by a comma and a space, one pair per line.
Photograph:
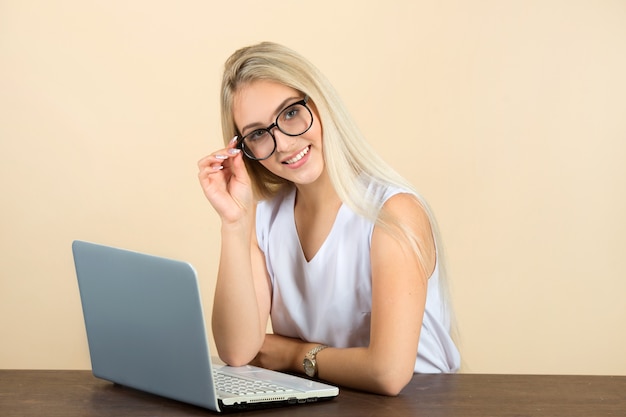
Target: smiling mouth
298, 156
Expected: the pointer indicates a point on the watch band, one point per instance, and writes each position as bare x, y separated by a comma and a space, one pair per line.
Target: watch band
317, 349
310, 362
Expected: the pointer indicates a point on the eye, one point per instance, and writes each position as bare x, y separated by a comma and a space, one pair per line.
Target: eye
256, 135
290, 113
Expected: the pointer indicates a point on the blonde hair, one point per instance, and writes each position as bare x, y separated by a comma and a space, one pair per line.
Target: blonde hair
348, 156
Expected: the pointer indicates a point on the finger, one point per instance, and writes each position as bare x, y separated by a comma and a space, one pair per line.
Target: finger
206, 171
238, 169
233, 151
233, 142
217, 157
213, 163
222, 154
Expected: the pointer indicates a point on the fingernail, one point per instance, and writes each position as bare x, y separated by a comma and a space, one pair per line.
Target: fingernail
221, 157
233, 140
234, 151
217, 168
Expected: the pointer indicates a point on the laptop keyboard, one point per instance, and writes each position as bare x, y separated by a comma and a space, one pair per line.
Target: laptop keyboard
241, 386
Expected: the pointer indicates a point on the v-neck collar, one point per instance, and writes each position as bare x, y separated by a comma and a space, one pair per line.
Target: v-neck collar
291, 204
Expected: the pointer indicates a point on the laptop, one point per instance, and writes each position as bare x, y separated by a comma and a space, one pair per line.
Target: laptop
146, 330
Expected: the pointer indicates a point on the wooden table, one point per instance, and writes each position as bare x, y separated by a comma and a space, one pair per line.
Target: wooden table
78, 393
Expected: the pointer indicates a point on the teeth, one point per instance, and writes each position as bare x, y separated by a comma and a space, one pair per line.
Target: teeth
298, 157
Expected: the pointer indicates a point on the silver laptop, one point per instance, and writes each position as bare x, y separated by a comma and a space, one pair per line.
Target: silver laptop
145, 329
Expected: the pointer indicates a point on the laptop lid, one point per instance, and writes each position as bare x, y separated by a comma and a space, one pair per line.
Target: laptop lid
145, 329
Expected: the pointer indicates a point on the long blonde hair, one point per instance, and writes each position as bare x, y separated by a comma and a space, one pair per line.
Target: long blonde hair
348, 156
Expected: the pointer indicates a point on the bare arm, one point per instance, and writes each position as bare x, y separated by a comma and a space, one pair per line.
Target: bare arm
242, 298
399, 286
242, 295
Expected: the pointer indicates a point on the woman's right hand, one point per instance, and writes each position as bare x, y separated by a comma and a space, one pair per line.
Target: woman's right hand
226, 183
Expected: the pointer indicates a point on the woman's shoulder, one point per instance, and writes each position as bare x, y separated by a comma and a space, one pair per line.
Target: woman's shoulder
381, 192
403, 204
399, 201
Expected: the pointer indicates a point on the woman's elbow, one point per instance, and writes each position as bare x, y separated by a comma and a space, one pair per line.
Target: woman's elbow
392, 388
391, 383
237, 351
233, 360
235, 357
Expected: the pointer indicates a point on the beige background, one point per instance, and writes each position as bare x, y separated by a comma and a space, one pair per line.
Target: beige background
509, 116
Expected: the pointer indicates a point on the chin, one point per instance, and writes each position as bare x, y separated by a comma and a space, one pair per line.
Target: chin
307, 178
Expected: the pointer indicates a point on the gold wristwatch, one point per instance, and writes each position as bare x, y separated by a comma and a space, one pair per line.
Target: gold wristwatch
310, 363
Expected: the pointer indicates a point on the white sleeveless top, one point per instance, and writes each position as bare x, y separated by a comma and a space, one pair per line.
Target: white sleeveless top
328, 300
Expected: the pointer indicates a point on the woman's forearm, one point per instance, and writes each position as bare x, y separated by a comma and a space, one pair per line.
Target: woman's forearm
363, 368
236, 322
359, 368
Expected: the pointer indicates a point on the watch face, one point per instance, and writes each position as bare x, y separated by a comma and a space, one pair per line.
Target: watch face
309, 367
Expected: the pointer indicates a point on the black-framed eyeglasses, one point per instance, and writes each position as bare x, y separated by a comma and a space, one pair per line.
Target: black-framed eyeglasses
294, 120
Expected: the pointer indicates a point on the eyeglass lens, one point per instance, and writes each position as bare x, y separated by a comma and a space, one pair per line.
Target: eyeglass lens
293, 121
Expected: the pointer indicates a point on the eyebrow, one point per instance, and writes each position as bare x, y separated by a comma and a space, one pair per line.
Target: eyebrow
279, 108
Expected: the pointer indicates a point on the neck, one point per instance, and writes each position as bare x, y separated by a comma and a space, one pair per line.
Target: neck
318, 195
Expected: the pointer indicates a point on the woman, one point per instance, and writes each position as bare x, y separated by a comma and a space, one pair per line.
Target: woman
319, 234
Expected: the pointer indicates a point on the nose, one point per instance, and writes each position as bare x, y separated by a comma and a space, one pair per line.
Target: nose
284, 143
